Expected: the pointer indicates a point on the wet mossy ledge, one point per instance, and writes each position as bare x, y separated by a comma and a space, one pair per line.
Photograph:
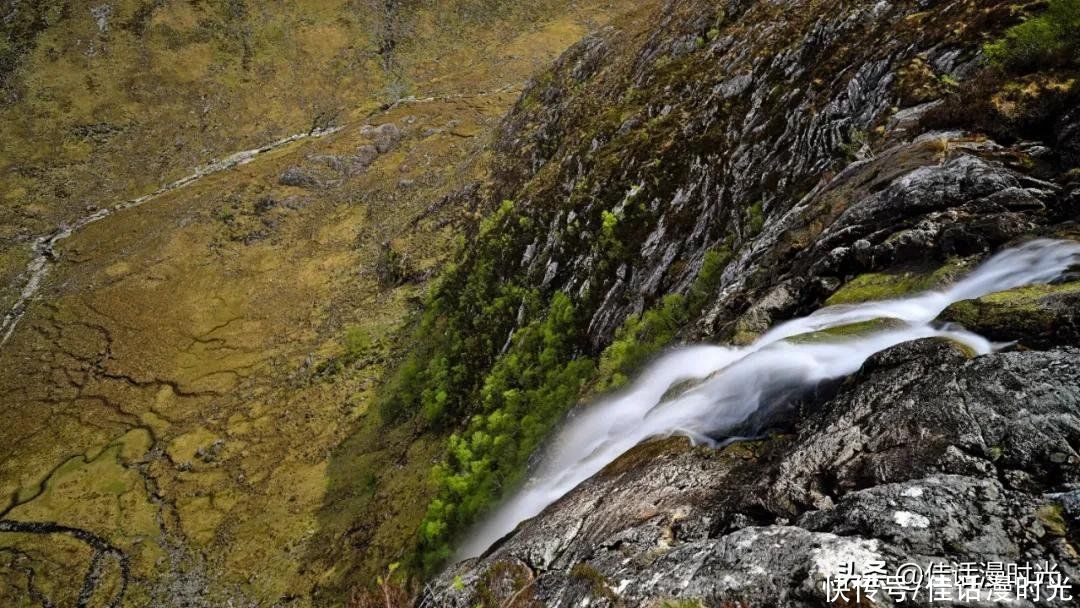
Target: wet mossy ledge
1037, 316
849, 331
888, 285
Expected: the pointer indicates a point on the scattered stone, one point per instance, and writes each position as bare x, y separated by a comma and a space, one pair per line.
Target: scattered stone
265, 204
386, 137
101, 16
298, 178
365, 155
211, 452
333, 162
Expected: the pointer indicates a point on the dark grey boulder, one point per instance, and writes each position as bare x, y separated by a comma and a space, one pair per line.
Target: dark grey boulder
386, 137
298, 177
365, 155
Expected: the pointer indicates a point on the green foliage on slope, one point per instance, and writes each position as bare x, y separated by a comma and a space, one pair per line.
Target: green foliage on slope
1051, 39
466, 320
503, 363
526, 392
642, 336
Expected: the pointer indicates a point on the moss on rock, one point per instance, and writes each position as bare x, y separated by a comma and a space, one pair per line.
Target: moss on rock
1037, 316
1051, 516
887, 285
850, 330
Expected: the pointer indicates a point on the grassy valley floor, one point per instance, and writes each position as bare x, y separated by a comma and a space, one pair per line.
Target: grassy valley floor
188, 394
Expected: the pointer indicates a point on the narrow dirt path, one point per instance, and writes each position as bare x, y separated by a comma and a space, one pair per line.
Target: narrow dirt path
44, 247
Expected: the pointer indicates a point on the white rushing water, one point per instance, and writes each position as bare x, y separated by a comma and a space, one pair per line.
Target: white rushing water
740, 381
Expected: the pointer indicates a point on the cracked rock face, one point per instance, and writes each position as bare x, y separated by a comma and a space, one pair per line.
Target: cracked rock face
777, 108
924, 456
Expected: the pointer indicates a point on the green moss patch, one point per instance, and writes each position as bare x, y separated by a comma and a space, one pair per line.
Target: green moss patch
1052, 519
851, 330
888, 285
1037, 315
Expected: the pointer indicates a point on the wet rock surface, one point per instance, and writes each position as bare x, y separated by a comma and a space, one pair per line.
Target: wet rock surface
1035, 317
923, 456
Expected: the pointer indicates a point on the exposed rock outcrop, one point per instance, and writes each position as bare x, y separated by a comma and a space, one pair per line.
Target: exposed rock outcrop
298, 178
743, 135
1039, 317
925, 456
805, 157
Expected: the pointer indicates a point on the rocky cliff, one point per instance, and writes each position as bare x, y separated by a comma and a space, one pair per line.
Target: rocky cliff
925, 456
824, 153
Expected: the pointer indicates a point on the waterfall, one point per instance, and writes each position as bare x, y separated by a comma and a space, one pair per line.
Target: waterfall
735, 382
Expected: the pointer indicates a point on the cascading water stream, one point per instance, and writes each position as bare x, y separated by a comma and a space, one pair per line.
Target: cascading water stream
737, 382
44, 249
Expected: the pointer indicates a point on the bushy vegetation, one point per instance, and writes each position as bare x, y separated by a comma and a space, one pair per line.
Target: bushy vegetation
509, 361
642, 336
1051, 39
1029, 83
527, 390
466, 321
755, 217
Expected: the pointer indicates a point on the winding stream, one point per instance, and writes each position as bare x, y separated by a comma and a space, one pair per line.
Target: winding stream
737, 382
44, 248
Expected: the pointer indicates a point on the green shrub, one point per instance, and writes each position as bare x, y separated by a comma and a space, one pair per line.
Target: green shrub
608, 222
641, 337
755, 217
638, 339
1051, 39
357, 341
465, 322
527, 391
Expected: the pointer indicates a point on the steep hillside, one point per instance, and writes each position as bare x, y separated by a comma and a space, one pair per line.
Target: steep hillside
702, 172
